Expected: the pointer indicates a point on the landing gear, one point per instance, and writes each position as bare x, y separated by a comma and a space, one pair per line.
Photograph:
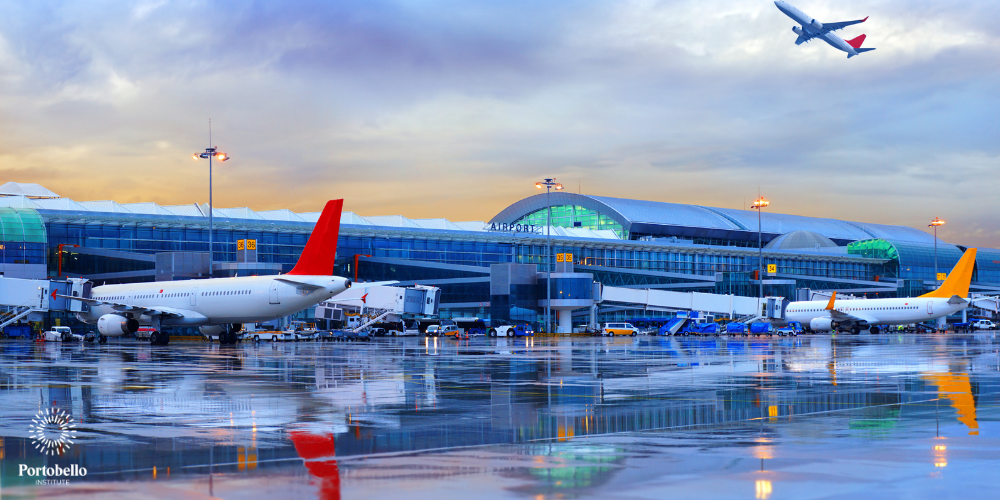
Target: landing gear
158, 338
227, 337
873, 330
102, 339
856, 330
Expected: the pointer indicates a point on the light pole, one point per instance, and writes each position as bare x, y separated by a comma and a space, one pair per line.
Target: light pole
210, 152
935, 223
758, 204
549, 184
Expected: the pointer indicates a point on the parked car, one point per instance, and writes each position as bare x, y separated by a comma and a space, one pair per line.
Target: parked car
619, 329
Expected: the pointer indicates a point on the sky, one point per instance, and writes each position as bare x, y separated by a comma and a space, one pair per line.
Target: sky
456, 108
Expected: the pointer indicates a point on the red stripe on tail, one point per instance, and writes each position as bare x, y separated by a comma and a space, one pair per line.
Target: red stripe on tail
319, 256
856, 43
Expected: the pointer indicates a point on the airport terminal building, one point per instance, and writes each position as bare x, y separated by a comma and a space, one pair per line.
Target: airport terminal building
487, 268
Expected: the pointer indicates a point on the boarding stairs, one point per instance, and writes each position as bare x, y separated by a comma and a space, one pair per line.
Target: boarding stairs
373, 320
749, 318
13, 314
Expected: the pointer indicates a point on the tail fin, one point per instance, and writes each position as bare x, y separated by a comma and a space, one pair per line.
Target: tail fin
318, 257
856, 43
958, 281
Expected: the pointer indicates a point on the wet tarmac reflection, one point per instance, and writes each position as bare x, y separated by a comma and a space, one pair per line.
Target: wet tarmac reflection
716, 417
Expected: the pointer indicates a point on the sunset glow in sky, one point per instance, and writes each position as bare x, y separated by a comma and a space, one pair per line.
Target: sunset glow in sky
455, 108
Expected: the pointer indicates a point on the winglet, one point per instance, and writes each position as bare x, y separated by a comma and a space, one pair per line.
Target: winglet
957, 282
856, 42
829, 307
865, 19
319, 255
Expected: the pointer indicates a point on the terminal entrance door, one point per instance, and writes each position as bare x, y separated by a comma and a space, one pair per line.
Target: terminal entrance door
273, 294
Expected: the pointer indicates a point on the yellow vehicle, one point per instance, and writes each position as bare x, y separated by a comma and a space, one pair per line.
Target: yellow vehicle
619, 330
449, 331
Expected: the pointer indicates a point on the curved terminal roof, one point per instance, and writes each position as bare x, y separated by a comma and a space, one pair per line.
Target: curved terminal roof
800, 239
21, 225
640, 217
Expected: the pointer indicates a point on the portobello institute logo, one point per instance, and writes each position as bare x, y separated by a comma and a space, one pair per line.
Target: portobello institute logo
52, 431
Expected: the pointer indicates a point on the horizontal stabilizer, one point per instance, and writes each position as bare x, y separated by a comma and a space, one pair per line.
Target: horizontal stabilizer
956, 300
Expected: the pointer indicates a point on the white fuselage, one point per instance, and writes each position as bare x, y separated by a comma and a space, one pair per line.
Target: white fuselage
876, 311
218, 301
808, 27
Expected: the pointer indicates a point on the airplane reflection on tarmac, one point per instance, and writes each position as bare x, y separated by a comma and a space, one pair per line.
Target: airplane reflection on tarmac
199, 409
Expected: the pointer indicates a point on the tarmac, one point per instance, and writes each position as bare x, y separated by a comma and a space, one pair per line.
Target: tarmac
815, 416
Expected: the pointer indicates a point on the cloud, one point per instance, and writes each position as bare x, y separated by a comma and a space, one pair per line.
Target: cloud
454, 109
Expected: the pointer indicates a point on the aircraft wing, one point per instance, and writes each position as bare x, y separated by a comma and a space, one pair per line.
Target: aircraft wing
299, 284
842, 317
841, 25
129, 308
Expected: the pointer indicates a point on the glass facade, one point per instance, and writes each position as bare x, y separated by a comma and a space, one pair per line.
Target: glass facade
908, 260
274, 245
574, 216
22, 236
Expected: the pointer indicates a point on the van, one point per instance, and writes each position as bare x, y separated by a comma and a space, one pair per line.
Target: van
984, 324
619, 329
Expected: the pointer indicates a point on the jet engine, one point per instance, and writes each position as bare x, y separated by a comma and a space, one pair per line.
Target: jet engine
797, 30
821, 324
211, 330
816, 24
113, 325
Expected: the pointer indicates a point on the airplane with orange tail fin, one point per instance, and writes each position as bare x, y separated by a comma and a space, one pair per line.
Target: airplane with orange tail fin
857, 314
812, 29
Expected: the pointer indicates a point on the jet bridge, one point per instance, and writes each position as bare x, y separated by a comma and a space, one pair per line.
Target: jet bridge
729, 305
25, 299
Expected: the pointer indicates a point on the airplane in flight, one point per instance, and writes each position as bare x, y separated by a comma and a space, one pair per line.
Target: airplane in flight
855, 314
220, 306
811, 28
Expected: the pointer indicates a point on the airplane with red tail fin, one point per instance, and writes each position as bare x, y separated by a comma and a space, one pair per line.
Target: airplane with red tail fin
811, 29
220, 306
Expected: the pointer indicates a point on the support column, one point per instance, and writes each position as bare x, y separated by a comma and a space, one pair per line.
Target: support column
565, 321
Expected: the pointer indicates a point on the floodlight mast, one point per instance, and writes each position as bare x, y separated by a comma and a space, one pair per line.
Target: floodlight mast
758, 204
549, 185
210, 153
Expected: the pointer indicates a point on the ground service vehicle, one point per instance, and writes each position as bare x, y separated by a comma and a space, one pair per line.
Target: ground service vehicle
619, 329
433, 331
984, 324
471, 326
449, 331
17, 331
512, 331
61, 334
